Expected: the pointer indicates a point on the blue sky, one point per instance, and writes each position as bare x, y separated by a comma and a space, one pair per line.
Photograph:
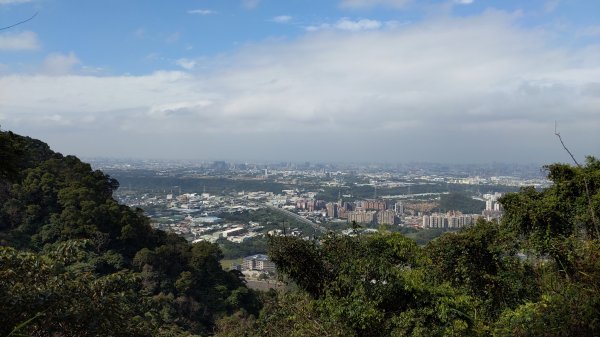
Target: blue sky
447, 80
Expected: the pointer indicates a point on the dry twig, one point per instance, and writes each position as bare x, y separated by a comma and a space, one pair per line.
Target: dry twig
20, 22
585, 181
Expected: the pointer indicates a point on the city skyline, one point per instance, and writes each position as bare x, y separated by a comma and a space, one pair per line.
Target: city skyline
335, 81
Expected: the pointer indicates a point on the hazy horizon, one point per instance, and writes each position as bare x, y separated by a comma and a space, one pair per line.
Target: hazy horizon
340, 81
126, 159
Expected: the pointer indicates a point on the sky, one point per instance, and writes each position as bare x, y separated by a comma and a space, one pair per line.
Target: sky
457, 81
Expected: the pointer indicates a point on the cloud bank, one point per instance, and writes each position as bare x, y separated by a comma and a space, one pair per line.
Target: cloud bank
446, 89
202, 11
26, 40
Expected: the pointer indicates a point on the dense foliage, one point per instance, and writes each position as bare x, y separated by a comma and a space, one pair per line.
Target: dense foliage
250, 246
148, 180
73, 262
460, 202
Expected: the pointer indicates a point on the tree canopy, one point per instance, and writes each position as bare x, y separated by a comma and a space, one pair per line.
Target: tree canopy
74, 262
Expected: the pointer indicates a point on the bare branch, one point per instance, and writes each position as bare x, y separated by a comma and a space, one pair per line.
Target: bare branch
20, 22
585, 181
564, 146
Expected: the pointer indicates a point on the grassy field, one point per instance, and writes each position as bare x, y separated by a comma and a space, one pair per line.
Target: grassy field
226, 264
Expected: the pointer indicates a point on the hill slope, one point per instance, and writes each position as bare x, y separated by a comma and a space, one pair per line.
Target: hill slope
73, 262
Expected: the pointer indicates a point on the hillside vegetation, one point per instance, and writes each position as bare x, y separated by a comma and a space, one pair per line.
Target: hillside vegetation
73, 262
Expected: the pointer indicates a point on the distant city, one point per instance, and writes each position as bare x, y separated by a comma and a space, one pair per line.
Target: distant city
198, 200
494, 171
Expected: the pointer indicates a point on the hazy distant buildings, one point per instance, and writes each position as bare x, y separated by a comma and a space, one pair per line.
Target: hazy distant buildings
387, 217
305, 204
344, 209
310, 204
399, 208
332, 210
491, 202
493, 208
371, 205
220, 165
366, 217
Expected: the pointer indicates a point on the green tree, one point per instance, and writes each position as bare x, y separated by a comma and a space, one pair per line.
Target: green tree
545, 219
75, 262
54, 296
559, 231
372, 285
482, 261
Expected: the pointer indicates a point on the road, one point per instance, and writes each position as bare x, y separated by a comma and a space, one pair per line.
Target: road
297, 217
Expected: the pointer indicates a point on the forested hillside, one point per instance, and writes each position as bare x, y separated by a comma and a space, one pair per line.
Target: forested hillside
73, 262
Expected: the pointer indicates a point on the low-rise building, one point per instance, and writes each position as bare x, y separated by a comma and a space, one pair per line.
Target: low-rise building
259, 262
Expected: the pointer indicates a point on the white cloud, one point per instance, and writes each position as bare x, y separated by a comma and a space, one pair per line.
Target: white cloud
464, 2
282, 19
178, 109
60, 64
351, 25
186, 63
26, 40
374, 3
202, 11
363, 24
250, 4
476, 87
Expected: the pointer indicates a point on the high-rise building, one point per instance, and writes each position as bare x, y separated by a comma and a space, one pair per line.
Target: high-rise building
372, 204
399, 208
362, 216
320, 204
332, 210
452, 219
491, 201
438, 221
387, 217
425, 221
344, 209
